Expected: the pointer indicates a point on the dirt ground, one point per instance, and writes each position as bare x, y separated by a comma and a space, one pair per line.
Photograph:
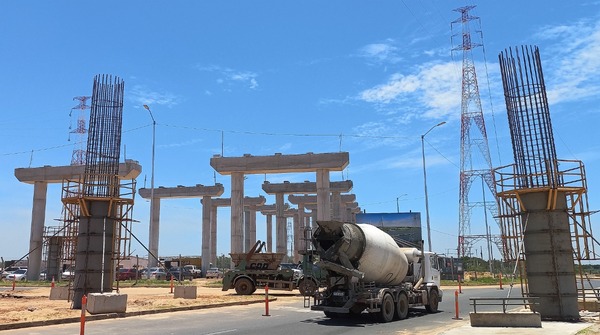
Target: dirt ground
33, 304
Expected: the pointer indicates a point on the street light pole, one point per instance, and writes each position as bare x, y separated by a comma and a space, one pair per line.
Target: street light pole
153, 245
425, 183
398, 204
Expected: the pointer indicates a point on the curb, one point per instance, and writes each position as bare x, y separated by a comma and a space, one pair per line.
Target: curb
124, 315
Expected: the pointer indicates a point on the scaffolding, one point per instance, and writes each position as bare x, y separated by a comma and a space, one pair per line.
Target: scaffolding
572, 183
76, 206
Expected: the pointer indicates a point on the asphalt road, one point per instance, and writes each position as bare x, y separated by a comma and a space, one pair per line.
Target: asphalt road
287, 316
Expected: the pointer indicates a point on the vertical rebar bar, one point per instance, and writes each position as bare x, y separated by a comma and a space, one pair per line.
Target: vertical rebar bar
529, 117
104, 139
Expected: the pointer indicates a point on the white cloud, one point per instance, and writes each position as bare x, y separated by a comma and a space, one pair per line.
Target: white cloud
434, 88
572, 64
228, 76
396, 86
380, 52
181, 144
142, 95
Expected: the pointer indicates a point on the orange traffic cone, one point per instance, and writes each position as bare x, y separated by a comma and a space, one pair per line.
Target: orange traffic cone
52, 285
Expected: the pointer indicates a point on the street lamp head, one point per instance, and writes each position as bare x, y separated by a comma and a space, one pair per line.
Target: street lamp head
430, 129
146, 106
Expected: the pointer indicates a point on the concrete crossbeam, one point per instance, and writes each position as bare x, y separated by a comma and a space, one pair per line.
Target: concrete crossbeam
183, 191
56, 174
311, 199
279, 163
306, 187
248, 201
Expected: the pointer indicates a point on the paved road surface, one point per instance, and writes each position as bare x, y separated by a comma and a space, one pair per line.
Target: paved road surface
288, 316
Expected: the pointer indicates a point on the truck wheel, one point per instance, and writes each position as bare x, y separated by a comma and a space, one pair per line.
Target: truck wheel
433, 301
307, 287
402, 306
386, 312
244, 286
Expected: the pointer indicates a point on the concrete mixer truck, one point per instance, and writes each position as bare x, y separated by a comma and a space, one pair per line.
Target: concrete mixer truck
368, 270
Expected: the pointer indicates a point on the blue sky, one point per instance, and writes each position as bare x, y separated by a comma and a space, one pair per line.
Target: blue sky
267, 77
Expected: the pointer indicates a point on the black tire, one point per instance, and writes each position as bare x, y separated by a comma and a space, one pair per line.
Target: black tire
244, 286
432, 307
307, 287
402, 306
387, 308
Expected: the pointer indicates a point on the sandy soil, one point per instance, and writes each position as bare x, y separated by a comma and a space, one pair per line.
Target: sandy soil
26, 305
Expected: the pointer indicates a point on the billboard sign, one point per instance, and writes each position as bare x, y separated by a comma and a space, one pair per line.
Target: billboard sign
403, 227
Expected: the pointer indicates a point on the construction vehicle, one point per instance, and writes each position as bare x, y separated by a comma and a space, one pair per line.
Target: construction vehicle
368, 270
256, 270
312, 276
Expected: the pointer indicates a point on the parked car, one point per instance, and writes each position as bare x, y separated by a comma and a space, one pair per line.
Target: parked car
12, 269
179, 274
294, 267
155, 273
127, 274
196, 271
18, 275
68, 274
214, 273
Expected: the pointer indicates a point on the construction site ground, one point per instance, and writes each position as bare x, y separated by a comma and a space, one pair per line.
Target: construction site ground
30, 306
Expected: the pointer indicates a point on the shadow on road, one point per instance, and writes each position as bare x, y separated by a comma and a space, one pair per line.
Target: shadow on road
362, 320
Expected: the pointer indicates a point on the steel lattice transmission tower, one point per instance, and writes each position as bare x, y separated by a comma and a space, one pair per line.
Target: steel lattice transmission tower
78, 157
473, 140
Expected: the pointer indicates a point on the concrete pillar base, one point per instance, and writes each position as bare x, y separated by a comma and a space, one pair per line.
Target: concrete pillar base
59, 293
101, 303
185, 292
527, 320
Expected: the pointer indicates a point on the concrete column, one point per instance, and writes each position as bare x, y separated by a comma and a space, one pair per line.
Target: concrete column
280, 225
206, 233
323, 202
247, 243
93, 261
336, 204
300, 231
315, 217
38, 216
269, 233
348, 214
154, 233
252, 224
296, 229
213, 235
237, 211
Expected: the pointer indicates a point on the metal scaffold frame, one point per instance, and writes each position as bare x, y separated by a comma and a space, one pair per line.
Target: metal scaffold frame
572, 182
75, 204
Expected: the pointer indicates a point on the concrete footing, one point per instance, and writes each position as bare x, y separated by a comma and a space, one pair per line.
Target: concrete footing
529, 320
185, 292
98, 303
60, 293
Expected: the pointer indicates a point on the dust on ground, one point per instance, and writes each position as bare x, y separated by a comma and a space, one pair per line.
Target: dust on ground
33, 304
